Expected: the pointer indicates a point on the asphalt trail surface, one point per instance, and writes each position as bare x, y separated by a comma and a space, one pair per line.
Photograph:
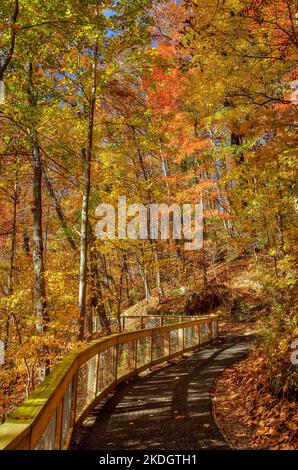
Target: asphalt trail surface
169, 409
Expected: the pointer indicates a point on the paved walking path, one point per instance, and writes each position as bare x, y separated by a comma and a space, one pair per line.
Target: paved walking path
169, 409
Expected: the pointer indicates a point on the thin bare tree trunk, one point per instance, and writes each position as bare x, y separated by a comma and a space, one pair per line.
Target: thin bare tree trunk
10, 281
14, 234
41, 314
119, 300
159, 287
59, 210
84, 246
86, 154
107, 281
38, 261
144, 276
97, 301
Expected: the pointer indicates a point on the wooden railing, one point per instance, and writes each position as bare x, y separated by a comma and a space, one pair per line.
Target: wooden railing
49, 417
139, 322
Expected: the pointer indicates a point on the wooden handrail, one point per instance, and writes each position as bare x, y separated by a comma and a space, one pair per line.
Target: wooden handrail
48, 418
140, 321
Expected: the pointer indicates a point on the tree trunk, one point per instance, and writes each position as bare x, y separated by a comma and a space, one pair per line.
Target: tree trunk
15, 199
85, 203
119, 300
13, 235
97, 301
159, 287
84, 246
41, 314
59, 211
26, 243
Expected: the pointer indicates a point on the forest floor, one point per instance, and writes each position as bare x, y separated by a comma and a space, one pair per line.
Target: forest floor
248, 413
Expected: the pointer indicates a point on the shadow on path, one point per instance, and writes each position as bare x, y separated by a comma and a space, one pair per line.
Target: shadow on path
169, 409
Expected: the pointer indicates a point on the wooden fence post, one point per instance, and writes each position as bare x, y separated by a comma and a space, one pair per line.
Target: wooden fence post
74, 400
59, 425
151, 347
198, 335
116, 359
136, 354
167, 344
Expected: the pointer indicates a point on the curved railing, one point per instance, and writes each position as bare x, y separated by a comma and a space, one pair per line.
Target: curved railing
49, 417
138, 322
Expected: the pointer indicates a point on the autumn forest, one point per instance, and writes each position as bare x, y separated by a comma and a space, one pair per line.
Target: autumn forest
164, 103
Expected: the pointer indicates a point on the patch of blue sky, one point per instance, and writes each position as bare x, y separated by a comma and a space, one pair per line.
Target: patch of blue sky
108, 13
111, 33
